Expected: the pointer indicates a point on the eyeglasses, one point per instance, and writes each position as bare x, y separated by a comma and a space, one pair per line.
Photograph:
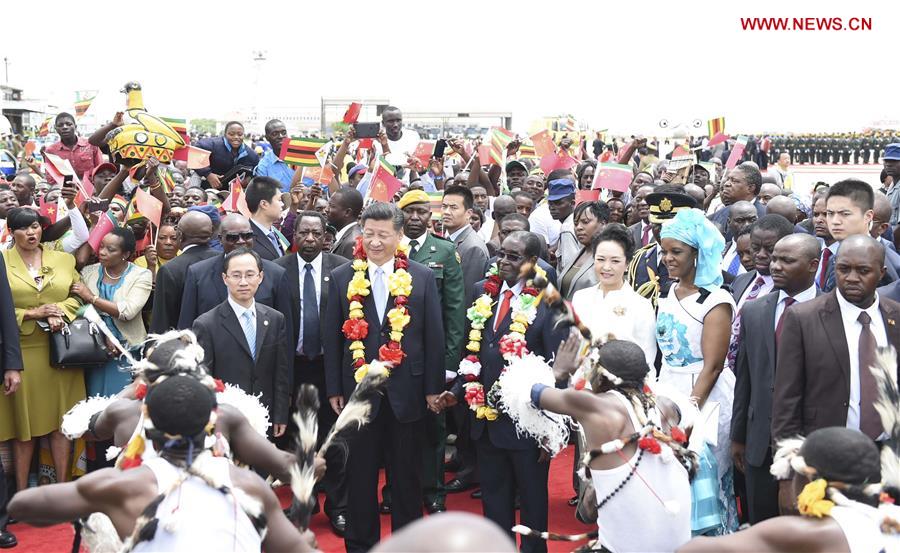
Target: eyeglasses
237, 277
235, 236
512, 257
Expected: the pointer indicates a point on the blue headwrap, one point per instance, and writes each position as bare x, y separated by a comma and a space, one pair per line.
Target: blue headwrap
693, 228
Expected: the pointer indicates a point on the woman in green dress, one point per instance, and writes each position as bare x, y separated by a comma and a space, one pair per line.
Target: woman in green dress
40, 280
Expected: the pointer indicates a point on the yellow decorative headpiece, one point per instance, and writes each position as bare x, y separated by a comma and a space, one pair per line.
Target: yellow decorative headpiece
149, 137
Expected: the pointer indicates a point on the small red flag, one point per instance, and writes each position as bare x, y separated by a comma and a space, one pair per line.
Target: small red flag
613, 176
484, 154
424, 151
737, 152
47, 210
717, 139
679, 151
543, 144
148, 206
364, 144
105, 223
582, 196
561, 160
383, 185
352, 113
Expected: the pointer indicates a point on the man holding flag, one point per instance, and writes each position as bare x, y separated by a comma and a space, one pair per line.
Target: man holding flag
271, 165
81, 154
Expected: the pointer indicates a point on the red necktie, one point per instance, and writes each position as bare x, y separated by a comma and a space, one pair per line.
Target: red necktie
504, 309
826, 255
788, 301
869, 421
645, 236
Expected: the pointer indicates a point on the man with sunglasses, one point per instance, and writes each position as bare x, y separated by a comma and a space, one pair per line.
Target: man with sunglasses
204, 288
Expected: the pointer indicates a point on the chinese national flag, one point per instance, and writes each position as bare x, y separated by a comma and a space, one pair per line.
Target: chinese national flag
543, 144
383, 185
105, 223
352, 113
196, 158
679, 151
613, 176
48, 210
148, 206
737, 152
552, 162
484, 154
424, 151
582, 196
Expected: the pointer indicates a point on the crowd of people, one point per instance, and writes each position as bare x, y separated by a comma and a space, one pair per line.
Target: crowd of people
685, 328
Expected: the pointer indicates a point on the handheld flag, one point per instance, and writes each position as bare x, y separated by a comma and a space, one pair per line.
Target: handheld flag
570, 124
736, 153
196, 158
301, 151
500, 139
48, 210
719, 138
436, 201
149, 206
613, 176
29, 148
424, 151
352, 113
582, 196
560, 160
44, 129
82, 104
383, 185
484, 154
105, 224
716, 126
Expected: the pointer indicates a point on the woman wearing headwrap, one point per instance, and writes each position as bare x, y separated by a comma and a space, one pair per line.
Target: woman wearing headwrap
692, 328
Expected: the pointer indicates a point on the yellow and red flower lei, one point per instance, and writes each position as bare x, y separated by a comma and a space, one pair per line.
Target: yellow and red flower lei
512, 345
355, 328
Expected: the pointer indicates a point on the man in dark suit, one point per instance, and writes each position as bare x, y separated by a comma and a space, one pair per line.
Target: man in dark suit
265, 205
12, 365
742, 183
344, 208
826, 343
396, 420
195, 229
204, 288
506, 461
793, 269
642, 232
307, 275
456, 211
244, 342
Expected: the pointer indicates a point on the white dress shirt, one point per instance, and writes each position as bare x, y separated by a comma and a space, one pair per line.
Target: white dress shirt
730, 253
852, 330
806, 295
516, 290
824, 266
316, 274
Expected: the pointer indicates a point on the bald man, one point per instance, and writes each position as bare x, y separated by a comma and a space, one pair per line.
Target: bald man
784, 206
795, 259
195, 230
825, 341
881, 221
455, 532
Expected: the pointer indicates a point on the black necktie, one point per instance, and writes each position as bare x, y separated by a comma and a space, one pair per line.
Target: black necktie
413, 247
312, 342
869, 421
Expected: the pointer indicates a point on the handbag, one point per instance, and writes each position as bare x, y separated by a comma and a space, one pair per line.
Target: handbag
77, 345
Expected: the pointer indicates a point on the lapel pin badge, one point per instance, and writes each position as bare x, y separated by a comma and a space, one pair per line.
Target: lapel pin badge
265, 323
433, 249
891, 322
326, 279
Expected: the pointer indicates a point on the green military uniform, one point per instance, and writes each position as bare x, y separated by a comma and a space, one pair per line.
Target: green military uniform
440, 256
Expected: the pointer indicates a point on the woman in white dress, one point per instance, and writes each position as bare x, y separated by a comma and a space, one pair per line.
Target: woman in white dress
611, 307
693, 329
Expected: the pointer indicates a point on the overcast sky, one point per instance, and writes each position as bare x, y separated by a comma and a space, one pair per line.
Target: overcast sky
623, 65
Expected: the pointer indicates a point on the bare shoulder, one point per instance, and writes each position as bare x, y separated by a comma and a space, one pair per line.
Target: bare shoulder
788, 533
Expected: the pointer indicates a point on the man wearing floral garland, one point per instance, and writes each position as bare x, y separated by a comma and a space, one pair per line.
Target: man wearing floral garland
384, 308
506, 321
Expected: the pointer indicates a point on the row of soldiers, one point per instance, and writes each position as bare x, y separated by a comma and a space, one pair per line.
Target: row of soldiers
834, 148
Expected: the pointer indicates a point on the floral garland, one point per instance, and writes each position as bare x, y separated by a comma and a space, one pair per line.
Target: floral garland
355, 328
512, 345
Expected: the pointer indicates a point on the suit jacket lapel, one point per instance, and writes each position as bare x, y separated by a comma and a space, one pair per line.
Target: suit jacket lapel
264, 239
233, 326
769, 322
324, 279
833, 326
890, 316
262, 327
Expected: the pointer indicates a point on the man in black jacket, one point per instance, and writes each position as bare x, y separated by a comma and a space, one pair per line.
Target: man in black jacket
196, 230
11, 359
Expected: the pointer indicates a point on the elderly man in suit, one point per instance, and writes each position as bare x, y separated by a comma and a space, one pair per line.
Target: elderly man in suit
344, 208
515, 222
793, 269
509, 462
396, 426
456, 209
245, 342
195, 229
263, 196
825, 348
204, 288
642, 231
307, 274
742, 183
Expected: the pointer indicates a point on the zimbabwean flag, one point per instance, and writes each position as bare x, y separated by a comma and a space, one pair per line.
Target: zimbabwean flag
82, 106
500, 139
716, 126
301, 151
178, 125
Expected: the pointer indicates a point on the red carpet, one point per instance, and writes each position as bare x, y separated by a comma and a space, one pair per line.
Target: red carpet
562, 517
